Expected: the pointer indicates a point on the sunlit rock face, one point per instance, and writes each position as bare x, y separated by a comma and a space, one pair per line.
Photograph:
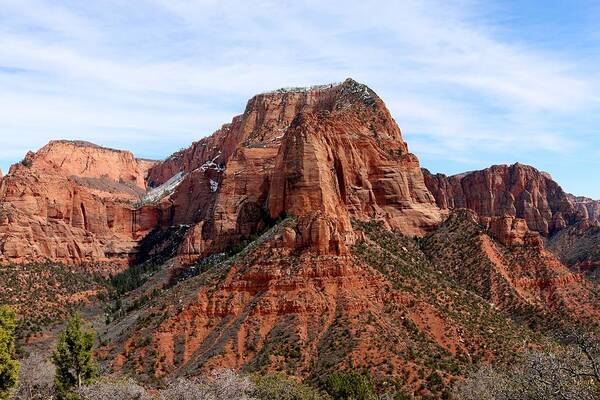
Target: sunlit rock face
72, 202
517, 190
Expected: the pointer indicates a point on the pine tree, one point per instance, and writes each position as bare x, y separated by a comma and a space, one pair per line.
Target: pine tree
73, 358
9, 367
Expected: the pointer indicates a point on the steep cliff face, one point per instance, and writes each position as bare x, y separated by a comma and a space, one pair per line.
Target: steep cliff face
588, 208
71, 202
328, 154
517, 190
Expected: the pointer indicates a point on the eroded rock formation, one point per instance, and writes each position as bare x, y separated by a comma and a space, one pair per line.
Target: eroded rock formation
517, 191
72, 202
330, 153
588, 208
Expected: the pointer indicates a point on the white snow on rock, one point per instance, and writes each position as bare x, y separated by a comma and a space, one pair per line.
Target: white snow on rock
303, 89
156, 194
211, 165
214, 186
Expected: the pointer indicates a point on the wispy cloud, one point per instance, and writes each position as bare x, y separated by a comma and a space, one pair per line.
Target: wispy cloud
157, 74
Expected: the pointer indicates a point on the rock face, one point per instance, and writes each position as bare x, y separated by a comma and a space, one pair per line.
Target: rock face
71, 202
588, 208
327, 154
391, 305
516, 191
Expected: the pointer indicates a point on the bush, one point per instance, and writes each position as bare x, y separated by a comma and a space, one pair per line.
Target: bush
350, 386
572, 374
125, 389
277, 386
221, 385
36, 378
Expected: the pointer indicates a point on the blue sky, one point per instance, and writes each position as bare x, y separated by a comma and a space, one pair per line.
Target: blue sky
471, 83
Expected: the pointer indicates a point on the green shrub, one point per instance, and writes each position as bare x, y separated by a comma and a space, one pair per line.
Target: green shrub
9, 367
73, 358
350, 386
277, 386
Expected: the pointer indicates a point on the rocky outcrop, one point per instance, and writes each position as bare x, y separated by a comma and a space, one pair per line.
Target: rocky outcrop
515, 272
72, 202
327, 154
516, 191
588, 208
512, 231
578, 246
87, 160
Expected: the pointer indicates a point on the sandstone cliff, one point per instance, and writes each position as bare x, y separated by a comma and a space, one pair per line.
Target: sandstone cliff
72, 202
328, 154
588, 208
517, 191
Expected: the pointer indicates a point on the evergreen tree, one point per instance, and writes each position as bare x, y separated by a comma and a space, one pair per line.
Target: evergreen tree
9, 367
73, 358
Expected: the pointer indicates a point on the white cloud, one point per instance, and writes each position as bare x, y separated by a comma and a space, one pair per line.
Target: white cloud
170, 71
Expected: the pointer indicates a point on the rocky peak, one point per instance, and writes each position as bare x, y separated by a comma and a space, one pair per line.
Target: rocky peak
516, 190
87, 160
266, 118
588, 208
327, 154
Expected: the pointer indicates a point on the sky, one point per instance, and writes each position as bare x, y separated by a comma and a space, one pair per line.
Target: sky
470, 83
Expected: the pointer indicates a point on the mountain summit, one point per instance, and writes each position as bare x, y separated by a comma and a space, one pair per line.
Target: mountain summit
328, 154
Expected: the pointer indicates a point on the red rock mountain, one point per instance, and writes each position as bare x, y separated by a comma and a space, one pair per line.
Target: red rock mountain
511, 200
327, 154
299, 251
72, 202
322, 186
517, 191
76, 202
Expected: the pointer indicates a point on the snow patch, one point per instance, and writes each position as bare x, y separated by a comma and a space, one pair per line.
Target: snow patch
304, 89
158, 193
211, 165
214, 186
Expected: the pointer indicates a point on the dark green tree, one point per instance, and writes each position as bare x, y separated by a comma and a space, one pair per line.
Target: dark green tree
73, 358
350, 386
9, 367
